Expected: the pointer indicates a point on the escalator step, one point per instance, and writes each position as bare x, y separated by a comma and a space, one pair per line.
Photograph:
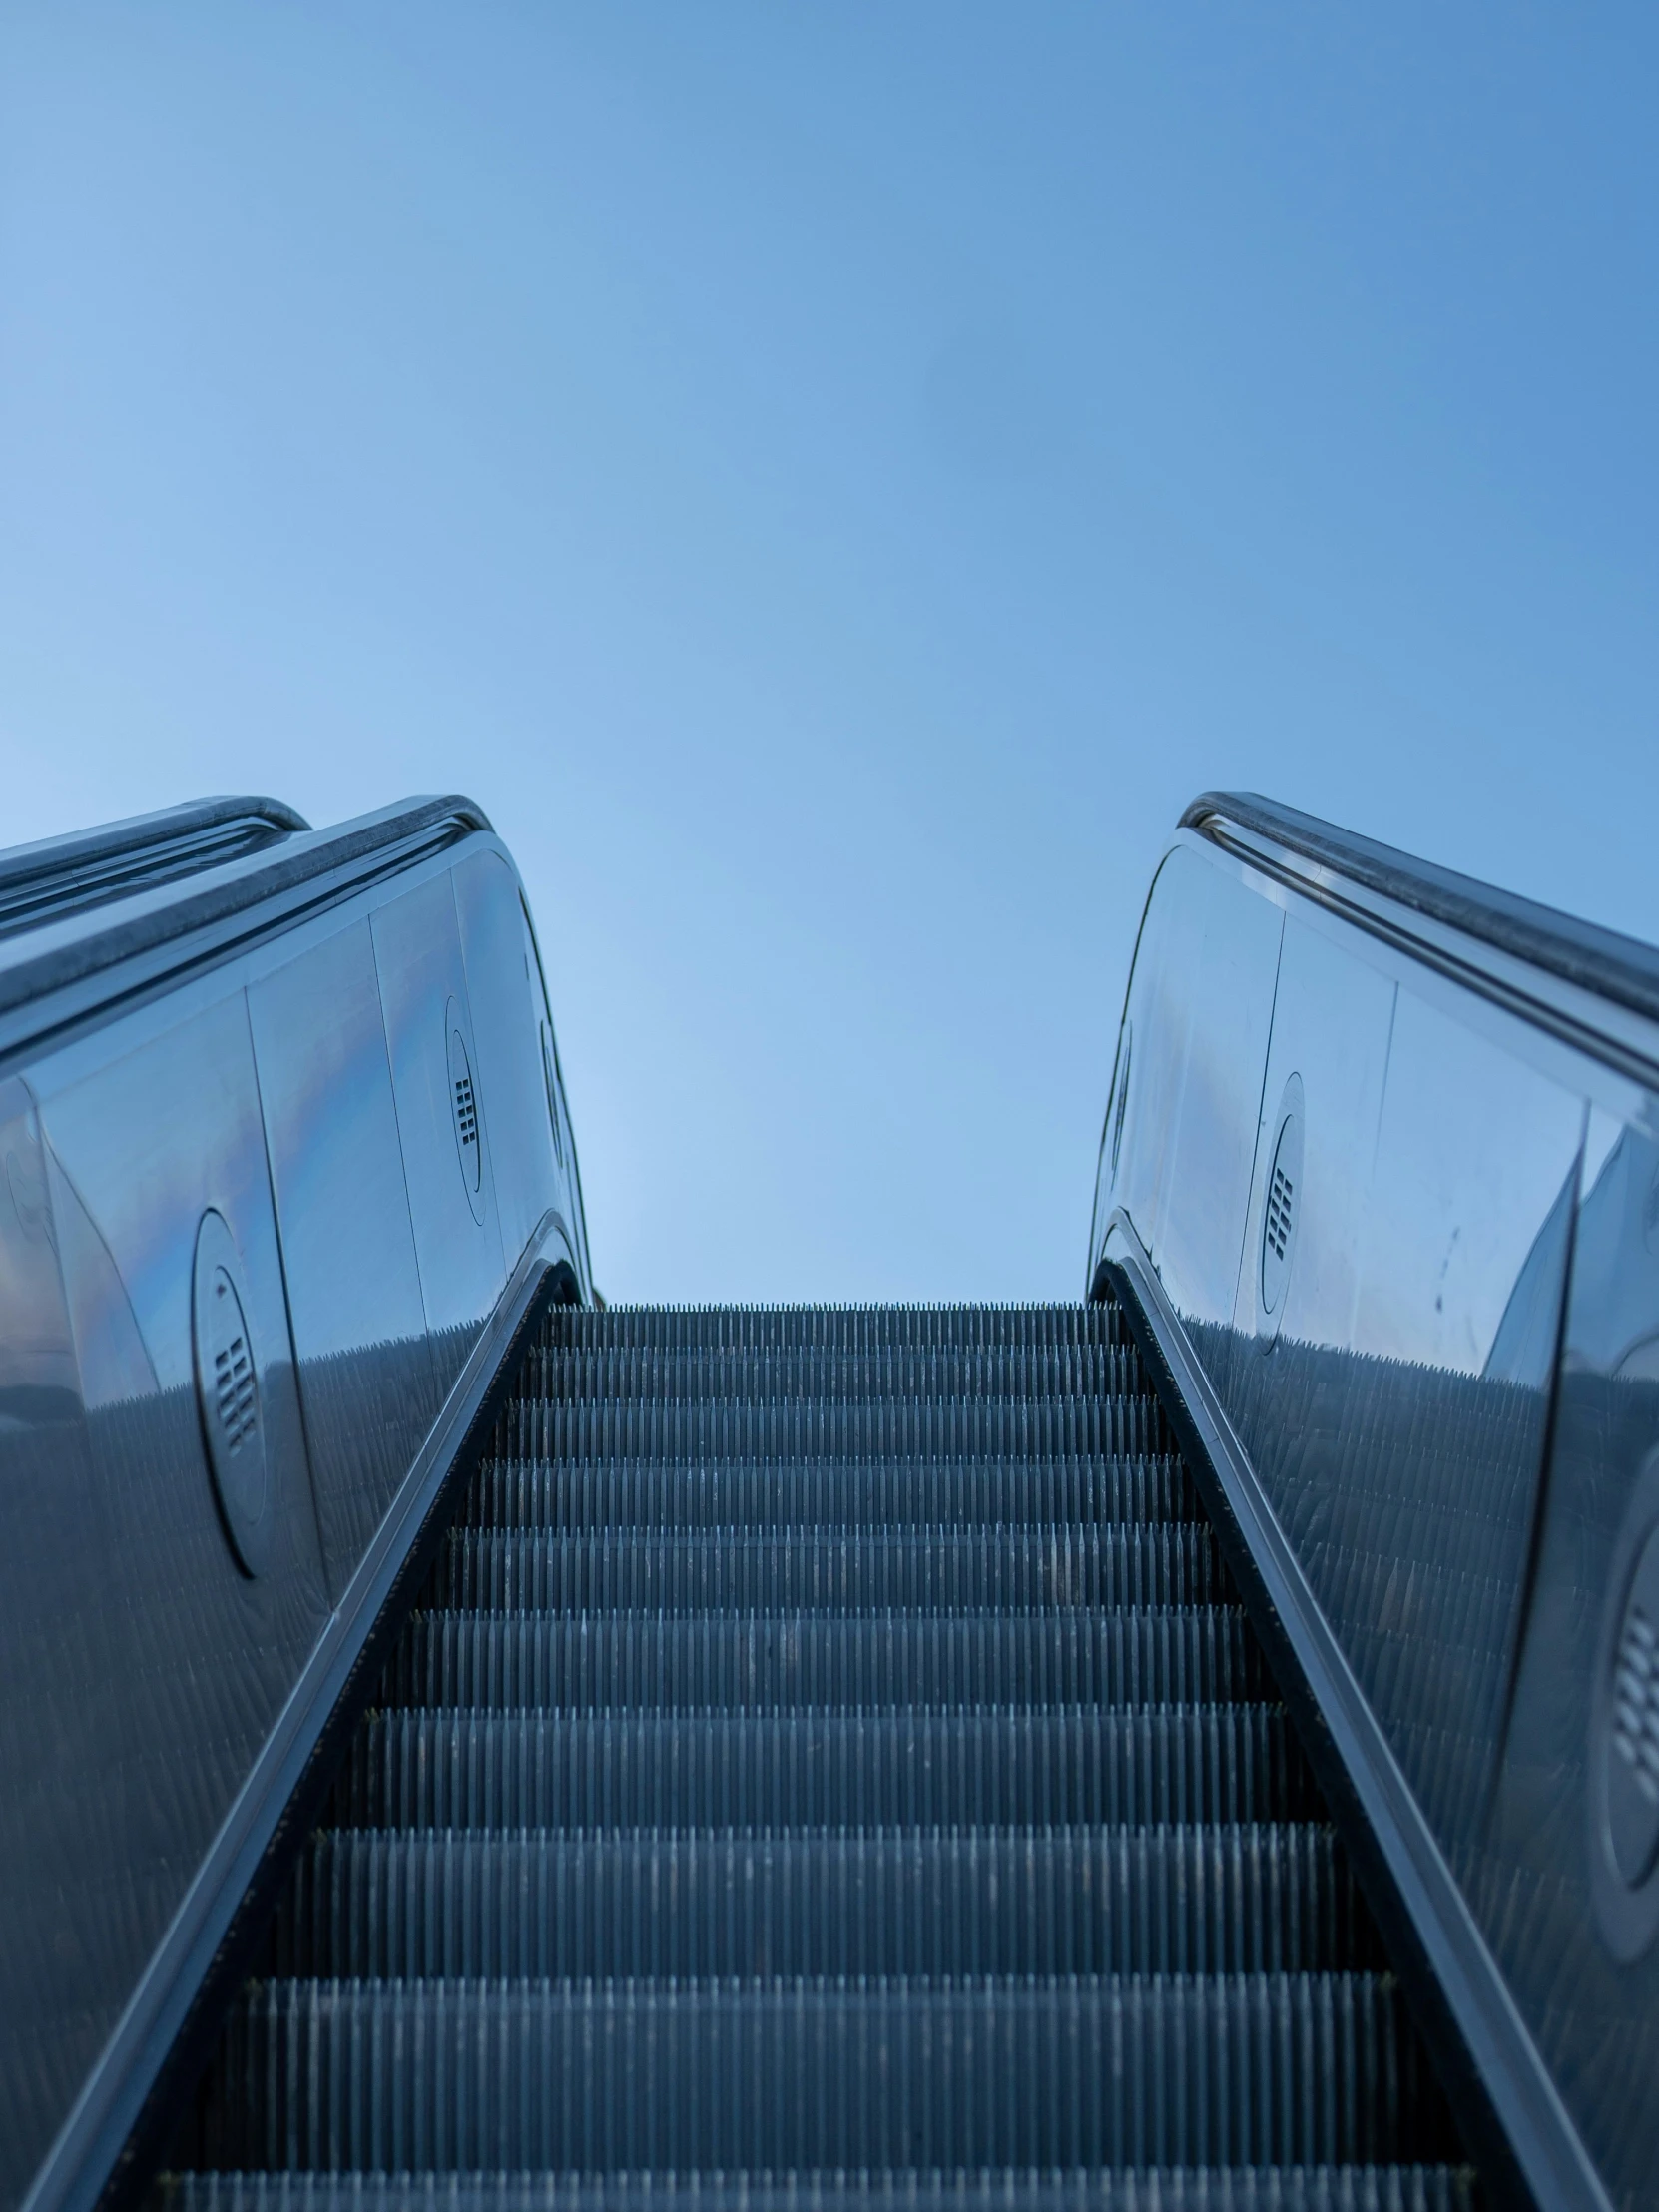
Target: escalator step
861, 1570
734, 1371
870, 1494
1095, 1900
774, 2075
420, 1768
1203, 1655
826, 1768
858, 1331
834, 1428
1079, 2189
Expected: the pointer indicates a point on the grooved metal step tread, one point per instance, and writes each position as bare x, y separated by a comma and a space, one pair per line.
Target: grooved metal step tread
1264, 1899
1392, 2188
805, 1660
827, 1766
859, 1571
850, 1329
831, 1428
423, 1768
662, 1494
942, 1370
1082, 2070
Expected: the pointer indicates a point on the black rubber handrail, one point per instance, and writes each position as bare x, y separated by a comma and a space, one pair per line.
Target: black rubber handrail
1620, 970
65, 875
60, 976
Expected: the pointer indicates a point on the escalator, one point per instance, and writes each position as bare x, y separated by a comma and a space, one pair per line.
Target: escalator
467, 1747
828, 1744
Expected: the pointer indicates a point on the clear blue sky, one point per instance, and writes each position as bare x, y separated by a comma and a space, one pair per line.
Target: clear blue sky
833, 481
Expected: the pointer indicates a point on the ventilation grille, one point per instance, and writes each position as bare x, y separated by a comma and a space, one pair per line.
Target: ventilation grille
234, 1393
1279, 1212
467, 1111
463, 1098
228, 1395
1636, 1703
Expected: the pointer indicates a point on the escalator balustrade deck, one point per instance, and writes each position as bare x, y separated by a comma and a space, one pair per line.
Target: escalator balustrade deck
828, 1763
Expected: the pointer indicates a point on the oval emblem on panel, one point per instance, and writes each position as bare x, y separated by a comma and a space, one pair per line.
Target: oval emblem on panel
1282, 1203
228, 1395
464, 1102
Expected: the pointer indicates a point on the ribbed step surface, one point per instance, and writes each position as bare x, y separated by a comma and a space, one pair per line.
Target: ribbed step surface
664, 1494
712, 1371
962, 1901
827, 1765
861, 1570
447, 1768
842, 1429
1067, 2070
1079, 2189
761, 1662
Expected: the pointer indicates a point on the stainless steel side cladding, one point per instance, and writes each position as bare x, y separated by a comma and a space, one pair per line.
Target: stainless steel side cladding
1382, 1179
247, 1273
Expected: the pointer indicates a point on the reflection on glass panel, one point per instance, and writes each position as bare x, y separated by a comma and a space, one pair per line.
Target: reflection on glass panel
354, 1299
1332, 1020
502, 997
1615, 1308
1229, 994
1403, 1349
1160, 1009
1578, 1937
1473, 1150
423, 997
136, 1141
1397, 1411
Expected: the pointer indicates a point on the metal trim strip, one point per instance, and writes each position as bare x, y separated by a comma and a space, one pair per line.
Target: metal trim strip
94, 865
68, 973
1593, 989
1601, 960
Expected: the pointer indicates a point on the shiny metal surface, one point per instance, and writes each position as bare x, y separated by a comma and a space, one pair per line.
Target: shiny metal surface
1404, 1471
572, 1215
69, 1649
507, 1030
175, 1621
1596, 990
230, 1403
366, 1377
1227, 996
80, 965
1508, 2104
90, 868
1617, 970
137, 1145
1449, 1412
1575, 1935
423, 997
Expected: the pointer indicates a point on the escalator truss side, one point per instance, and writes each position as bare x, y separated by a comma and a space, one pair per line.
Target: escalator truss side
1380, 1180
280, 1172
